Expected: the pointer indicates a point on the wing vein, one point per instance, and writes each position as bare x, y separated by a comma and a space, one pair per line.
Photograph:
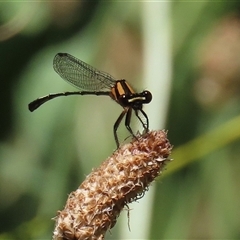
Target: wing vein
81, 74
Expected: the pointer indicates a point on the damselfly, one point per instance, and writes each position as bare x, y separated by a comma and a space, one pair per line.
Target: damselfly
95, 82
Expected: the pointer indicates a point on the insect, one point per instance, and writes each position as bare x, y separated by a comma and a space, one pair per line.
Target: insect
95, 82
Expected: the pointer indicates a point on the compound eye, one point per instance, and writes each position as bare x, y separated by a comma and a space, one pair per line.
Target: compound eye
148, 96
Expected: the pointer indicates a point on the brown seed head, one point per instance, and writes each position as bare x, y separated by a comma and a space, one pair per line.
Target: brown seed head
124, 177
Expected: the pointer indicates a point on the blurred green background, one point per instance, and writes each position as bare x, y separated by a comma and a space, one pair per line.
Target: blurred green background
186, 53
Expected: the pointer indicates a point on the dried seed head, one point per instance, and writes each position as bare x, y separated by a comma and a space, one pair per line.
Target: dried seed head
124, 177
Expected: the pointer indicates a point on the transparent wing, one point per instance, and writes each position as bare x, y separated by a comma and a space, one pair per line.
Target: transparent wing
80, 74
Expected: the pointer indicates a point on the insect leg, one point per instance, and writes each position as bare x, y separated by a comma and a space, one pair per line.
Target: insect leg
116, 125
145, 125
128, 119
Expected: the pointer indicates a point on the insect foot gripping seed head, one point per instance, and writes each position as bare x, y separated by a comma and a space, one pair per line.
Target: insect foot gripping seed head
123, 178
